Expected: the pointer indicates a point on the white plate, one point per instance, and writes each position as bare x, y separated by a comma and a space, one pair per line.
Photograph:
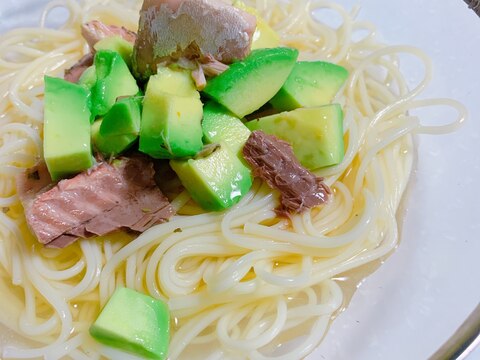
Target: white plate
410, 306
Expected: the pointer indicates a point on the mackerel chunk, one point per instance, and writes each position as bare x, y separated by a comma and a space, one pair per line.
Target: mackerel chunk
95, 30
109, 197
273, 161
172, 29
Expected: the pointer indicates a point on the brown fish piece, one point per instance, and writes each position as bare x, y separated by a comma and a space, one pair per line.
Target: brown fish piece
172, 29
109, 197
273, 161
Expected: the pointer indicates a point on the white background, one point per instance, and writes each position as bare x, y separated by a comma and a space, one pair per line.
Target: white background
425, 290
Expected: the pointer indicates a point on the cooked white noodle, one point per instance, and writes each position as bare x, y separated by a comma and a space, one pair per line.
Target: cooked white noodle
239, 284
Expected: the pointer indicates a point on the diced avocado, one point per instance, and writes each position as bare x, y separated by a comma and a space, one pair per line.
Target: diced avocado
134, 322
113, 80
95, 130
88, 78
66, 138
264, 36
316, 134
118, 44
215, 182
172, 114
311, 83
119, 128
250, 83
175, 82
220, 125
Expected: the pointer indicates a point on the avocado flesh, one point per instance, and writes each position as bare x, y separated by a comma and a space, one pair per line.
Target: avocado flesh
66, 139
172, 114
264, 36
134, 322
119, 128
311, 83
316, 134
215, 182
252, 82
219, 125
118, 44
88, 78
113, 81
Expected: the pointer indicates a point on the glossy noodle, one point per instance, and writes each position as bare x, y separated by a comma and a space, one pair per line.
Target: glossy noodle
240, 284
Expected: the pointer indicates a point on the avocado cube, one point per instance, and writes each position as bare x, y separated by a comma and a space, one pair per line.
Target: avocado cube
88, 78
113, 81
311, 83
217, 181
172, 114
173, 81
118, 44
264, 36
316, 134
249, 84
134, 322
119, 129
66, 136
219, 125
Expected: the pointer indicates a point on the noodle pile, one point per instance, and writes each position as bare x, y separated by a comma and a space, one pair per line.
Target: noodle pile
240, 284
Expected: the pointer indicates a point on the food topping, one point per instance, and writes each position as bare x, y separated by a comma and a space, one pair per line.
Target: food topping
108, 197
120, 127
316, 133
182, 47
95, 30
273, 161
172, 114
219, 125
74, 73
311, 83
66, 138
249, 84
134, 322
113, 81
216, 181
170, 30
264, 36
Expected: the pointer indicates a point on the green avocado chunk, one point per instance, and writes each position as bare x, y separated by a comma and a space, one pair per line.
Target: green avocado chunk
219, 125
252, 82
88, 78
217, 181
172, 114
311, 83
119, 128
134, 322
316, 134
113, 80
66, 138
118, 44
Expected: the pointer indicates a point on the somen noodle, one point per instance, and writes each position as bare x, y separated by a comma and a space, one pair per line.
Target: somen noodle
239, 284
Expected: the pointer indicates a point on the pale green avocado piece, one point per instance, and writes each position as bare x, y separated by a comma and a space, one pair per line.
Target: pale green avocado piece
95, 131
134, 322
311, 83
118, 44
316, 134
217, 181
172, 115
66, 130
89, 77
219, 125
264, 36
113, 80
119, 128
252, 82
